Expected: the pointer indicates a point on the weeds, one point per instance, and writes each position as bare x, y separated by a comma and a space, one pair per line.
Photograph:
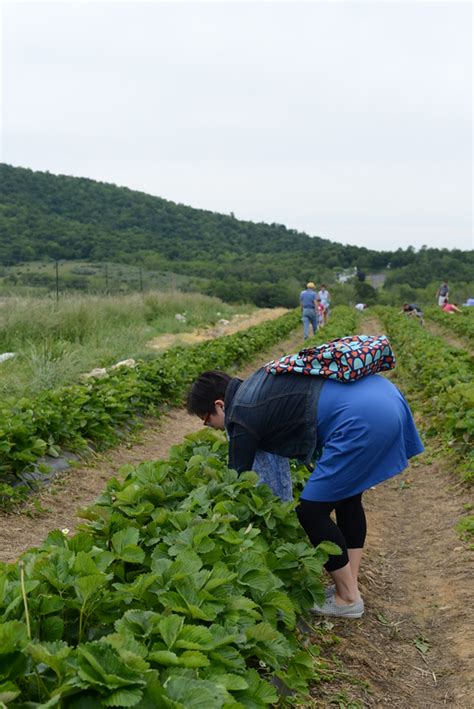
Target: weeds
56, 342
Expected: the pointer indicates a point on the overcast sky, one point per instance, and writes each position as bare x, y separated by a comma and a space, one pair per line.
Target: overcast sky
347, 120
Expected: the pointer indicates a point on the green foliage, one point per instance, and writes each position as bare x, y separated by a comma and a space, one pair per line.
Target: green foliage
182, 589
58, 217
461, 324
73, 416
365, 293
441, 377
465, 527
397, 293
57, 341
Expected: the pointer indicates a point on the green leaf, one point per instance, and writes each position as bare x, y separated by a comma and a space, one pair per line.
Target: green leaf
421, 644
126, 645
278, 605
195, 637
231, 682
84, 564
259, 693
193, 659
50, 604
52, 628
262, 632
8, 692
188, 564
330, 548
220, 575
139, 623
228, 657
13, 636
169, 628
101, 666
128, 496
123, 698
198, 694
163, 657
88, 586
51, 654
124, 543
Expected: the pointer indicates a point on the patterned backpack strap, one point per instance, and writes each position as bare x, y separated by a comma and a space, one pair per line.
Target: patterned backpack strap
345, 359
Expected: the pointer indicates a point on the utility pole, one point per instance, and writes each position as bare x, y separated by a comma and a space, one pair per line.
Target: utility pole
57, 279
106, 271
141, 279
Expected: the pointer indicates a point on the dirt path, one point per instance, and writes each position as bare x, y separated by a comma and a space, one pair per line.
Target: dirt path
450, 337
414, 645
223, 327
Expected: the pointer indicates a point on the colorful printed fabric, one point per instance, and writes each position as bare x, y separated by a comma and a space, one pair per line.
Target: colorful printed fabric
346, 359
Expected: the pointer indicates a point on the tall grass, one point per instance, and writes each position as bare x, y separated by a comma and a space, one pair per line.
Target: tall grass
55, 342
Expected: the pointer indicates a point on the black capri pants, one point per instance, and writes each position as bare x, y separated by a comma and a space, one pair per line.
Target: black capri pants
348, 532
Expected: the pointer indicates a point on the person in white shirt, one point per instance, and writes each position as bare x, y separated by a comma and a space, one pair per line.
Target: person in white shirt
325, 298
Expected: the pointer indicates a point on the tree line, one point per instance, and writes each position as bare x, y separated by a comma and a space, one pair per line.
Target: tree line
46, 216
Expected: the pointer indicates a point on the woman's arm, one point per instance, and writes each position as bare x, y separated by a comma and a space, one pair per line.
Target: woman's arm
242, 448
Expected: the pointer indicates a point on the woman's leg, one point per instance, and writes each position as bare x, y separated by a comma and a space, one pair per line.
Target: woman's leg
351, 521
315, 519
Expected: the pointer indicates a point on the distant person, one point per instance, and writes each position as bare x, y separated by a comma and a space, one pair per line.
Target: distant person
414, 311
450, 307
308, 309
321, 311
442, 293
360, 306
326, 301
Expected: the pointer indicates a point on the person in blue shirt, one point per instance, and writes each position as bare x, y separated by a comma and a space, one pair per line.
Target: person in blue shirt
309, 309
361, 433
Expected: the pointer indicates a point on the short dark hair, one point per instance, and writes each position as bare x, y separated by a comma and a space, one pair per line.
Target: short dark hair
204, 391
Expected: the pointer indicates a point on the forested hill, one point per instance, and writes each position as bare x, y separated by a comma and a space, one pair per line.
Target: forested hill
59, 217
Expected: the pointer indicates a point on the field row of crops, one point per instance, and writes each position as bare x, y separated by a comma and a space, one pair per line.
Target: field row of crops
440, 377
74, 416
461, 324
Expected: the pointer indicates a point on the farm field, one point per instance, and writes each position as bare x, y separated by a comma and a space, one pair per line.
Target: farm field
461, 324
56, 342
35, 278
412, 648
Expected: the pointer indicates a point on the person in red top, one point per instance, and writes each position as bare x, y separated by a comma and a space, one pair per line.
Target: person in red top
321, 311
450, 307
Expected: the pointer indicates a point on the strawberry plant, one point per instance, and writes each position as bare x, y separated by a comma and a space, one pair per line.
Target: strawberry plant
182, 588
441, 380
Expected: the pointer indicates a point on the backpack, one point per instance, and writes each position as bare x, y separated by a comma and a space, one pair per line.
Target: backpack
346, 359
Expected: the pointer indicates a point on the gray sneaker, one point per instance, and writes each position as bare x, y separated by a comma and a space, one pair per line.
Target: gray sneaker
330, 608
